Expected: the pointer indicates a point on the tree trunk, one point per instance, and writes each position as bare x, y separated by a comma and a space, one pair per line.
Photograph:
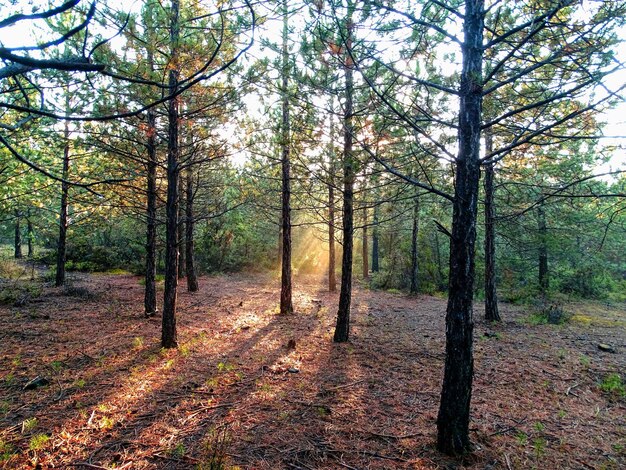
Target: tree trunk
150, 300
414, 238
182, 263
168, 332
491, 295
30, 234
332, 275
454, 409
544, 281
286, 305
332, 278
18, 236
65, 188
365, 248
342, 328
375, 249
192, 279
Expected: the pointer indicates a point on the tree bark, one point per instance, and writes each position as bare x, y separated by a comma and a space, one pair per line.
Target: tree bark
365, 248
182, 263
454, 409
491, 295
342, 328
192, 278
18, 236
375, 242
332, 277
150, 300
65, 188
286, 305
544, 281
414, 238
168, 332
30, 234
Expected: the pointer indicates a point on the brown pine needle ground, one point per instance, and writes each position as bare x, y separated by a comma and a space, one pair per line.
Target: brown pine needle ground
237, 394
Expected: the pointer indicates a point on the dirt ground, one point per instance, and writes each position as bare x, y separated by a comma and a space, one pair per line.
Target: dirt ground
235, 395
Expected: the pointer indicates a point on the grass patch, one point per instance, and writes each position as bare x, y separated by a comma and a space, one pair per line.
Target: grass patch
38, 442
29, 424
613, 386
159, 278
6, 450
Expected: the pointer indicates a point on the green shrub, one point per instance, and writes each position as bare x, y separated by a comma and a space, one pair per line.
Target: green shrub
613, 386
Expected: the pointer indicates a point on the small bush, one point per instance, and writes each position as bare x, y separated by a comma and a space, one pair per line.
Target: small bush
19, 293
552, 314
9, 269
80, 292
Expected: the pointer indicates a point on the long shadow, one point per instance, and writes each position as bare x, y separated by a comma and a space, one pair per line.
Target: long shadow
359, 409
194, 405
146, 362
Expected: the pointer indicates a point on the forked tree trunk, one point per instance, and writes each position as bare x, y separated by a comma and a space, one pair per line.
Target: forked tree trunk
456, 392
192, 278
18, 236
168, 332
491, 295
414, 239
342, 328
286, 305
65, 188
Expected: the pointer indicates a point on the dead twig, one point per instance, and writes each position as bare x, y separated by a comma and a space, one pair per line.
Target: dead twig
380, 456
87, 465
351, 384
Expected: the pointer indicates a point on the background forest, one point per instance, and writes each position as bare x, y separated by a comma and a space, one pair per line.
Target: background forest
550, 210
457, 149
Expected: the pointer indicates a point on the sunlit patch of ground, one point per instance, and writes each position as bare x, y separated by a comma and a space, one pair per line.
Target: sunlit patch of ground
249, 388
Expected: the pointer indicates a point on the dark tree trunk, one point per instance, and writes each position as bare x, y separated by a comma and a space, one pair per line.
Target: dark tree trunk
65, 188
544, 281
342, 329
454, 409
30, 234
332, 262
438, 259
182, 262
414, 238
18, 236
375, 249
150, 300
332, 277
491, 295
280, 241
286, 305
365, 248
192, 279
168, 332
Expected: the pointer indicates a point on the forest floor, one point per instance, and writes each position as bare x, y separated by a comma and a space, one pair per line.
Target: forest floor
236, 395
